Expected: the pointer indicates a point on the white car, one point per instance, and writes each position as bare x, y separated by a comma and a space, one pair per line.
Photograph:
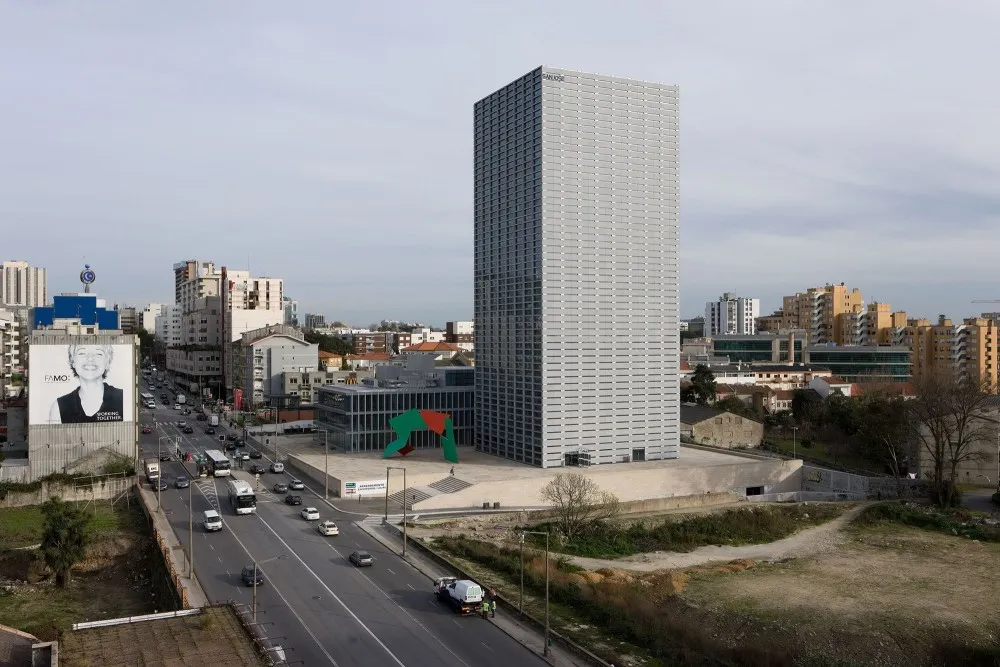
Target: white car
296, 485
310, 513
328, 528
182, 423
177, 406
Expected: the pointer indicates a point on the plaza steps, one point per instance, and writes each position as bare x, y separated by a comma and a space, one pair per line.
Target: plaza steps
450, 484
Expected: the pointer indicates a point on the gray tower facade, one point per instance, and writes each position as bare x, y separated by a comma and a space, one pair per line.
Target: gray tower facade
576, 270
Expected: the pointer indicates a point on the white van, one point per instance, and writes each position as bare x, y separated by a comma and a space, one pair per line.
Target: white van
212, 521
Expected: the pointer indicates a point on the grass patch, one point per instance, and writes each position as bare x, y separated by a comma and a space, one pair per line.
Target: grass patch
955, 521
757, 524
22, 526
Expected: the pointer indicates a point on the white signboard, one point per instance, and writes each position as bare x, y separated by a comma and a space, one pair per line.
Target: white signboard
81, 384
375, 487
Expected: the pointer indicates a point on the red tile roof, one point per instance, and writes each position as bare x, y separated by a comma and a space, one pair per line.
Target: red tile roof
328, 355
685, 366
440, 346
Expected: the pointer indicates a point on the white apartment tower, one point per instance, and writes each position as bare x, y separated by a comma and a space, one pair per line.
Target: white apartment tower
22, 285
732, 315
576, 270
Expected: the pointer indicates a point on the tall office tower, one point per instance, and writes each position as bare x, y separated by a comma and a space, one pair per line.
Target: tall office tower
22, 285
576, 253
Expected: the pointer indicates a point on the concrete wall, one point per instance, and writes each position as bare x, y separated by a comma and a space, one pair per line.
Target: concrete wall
306, 472
103, 488
732, 431
631, 484
822, 480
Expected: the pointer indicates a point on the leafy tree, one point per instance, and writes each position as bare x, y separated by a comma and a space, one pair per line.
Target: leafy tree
736, 406
146, 343
579, 502
946, 422
331, 344
841, 411
807, 406
64, 537
884, 432
703, 384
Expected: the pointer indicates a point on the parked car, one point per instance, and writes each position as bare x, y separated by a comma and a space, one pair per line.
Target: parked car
310, 513
293, 500
182, 482
252, 576
361, 559
296, 484
280, 487
328, 528
255, 454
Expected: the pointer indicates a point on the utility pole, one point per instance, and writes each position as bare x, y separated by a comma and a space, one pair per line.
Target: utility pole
545, 650
387, 469
190, 531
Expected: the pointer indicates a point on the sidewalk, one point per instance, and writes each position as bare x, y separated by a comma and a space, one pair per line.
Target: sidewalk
189, 588
522, 633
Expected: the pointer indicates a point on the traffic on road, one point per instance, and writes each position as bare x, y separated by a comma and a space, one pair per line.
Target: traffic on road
325, 590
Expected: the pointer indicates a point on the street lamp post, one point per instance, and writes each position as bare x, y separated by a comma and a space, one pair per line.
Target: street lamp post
190, 531
794, 430
256, 570
159, 478
545, 650
387, 469
326, 465
520, 602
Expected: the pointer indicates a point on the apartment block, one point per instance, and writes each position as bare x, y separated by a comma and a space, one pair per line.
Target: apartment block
460, 334
372, 342
22, 285
946, 349
268, 354
732, 315
875, 324
128, 318
11, 366
147, 318
816, 310
771, 323
314, 321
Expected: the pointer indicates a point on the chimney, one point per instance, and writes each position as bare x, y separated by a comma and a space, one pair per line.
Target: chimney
791, 348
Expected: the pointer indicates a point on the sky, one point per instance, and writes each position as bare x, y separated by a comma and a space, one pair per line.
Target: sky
330, 143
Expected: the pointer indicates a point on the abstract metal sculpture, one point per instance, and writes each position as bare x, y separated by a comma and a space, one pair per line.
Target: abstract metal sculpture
416, 420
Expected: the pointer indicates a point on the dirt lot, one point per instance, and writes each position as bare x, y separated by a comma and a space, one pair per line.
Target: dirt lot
113, 581
881, 596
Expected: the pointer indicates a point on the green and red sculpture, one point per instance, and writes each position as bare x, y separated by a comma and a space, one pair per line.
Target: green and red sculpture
416, 420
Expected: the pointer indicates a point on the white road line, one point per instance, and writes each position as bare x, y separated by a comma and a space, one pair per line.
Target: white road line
332, 594
283, 598
390, 571
411, 587
400, 607
487, 646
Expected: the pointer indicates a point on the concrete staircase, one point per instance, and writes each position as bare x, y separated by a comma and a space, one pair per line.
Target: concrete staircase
416, 494
450, 484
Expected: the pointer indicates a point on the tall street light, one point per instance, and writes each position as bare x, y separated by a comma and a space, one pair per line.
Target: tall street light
190, 530
387, 469
794, 431
159, 477
326, 464
546, 534
256, 571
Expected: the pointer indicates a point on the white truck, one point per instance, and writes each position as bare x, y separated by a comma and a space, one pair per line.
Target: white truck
464, 595
213, 420
152, 470
182, 399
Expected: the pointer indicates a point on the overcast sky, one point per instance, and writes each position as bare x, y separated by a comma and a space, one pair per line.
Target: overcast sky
330, 143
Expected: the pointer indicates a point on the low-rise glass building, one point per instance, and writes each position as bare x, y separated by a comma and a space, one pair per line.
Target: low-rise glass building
357, 416
863, 363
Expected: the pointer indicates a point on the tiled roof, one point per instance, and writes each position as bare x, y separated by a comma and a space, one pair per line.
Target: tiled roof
371, 356
328, 355
440, 346
685, 366
693, 414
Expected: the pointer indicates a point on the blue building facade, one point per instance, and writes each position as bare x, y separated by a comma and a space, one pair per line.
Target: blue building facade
82, 307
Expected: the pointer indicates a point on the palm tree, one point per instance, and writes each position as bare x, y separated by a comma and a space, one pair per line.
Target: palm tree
64, 538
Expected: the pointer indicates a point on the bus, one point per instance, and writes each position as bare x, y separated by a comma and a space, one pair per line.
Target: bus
218, 463
242, 497
148, 400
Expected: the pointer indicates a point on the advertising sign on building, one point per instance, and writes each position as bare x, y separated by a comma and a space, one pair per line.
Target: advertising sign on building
81, 383
374, 487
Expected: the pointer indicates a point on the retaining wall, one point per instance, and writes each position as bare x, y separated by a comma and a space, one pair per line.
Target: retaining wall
102, 488
823, 480
187, 591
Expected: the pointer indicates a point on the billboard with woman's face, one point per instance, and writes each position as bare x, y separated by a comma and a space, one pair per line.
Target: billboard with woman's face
81, 383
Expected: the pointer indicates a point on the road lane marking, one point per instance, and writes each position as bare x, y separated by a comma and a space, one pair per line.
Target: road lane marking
390, 571
411, 587
398, 606
334, 595
283, 598
487, 646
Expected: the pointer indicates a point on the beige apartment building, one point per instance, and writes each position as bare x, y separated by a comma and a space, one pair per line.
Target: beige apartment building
968, 349
817, 309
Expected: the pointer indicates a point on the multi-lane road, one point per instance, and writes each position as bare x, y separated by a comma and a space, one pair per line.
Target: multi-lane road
314, 602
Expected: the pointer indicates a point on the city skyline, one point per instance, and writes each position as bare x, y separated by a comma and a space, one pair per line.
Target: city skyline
262, 131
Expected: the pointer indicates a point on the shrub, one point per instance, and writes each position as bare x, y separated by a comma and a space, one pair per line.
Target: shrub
954, 522
806, 443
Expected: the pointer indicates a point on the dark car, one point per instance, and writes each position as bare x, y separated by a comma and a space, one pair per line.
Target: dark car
202, 417
147, 429
182, 482
164, 456
240, 442
256, 455
209, 431
257, 469
161, 484
231, 437
362, 559
252, 576
230, 446
188, 429
280, 487
293, 500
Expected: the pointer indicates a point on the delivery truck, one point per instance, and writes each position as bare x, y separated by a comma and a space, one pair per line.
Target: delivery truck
152, 470
464, 596
213, 420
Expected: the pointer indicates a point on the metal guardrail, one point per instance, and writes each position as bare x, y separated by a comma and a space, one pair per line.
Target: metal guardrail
108, 622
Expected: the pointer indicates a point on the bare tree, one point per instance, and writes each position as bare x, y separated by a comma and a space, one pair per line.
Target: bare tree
884, 431
946, 419
579, 502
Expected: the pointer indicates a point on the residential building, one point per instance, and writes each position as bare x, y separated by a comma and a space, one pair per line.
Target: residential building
694, 326
371, 360
127, 318
771, 323
875, 324
11, 365
147, 318
862, 363
314, 321
461, 334
436, 351
356, 416
168, 326
291, 309
966, 350
305, 385
788, 376
426, 335
817, 309
576, 270
22, 285
731, 315
267, 353
705, 425
328, 361
825, 386
762, 348
369, 342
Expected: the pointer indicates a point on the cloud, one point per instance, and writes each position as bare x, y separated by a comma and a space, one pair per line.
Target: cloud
827, 141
